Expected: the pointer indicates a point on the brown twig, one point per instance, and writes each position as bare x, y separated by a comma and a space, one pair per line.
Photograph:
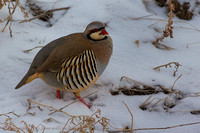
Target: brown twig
11, 13
159, 128
167, 103
28, 50
147, 102
135, 88
144, 104
8, 125
83, 122
171, 89
169, 127
127, 78
168, 32
131, 130
46, 12
11, 9
166, 20
31, 101
72, 102
87, 122
177, 65
192, 44
142, 17
10, 113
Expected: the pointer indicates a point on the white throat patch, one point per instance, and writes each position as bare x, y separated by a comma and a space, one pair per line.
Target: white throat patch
97, 35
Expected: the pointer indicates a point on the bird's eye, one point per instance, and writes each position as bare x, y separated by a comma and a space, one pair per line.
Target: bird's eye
95, 30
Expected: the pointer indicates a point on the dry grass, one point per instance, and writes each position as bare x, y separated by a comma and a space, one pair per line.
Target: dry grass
138, 88
134, 87
158, 128
176, 66
28, 50
80, 123
71, 103
192, 44
12, 5
183, 10
173, 97
131, 130
168, 32
44, 15
9, 125
148, 17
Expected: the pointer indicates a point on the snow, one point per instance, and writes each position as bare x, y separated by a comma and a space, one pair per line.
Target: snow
127, 60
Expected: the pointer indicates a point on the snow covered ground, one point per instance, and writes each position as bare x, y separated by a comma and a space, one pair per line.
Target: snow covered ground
127, 60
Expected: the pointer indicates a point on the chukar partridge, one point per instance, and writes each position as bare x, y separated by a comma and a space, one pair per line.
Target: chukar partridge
73, 62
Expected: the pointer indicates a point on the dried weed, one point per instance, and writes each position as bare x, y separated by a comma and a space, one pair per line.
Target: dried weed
80, 123
168, 32
176, 65
12, 5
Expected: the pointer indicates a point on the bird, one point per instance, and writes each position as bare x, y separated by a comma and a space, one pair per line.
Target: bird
74, 62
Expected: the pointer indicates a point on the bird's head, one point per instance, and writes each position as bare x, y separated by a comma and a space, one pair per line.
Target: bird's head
96, 31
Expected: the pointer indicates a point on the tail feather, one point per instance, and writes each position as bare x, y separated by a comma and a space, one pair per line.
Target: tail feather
27, 79
22, 82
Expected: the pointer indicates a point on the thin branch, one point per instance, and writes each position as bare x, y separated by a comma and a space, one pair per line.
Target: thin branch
127, 78
14, 8
29, 100
175, 82
72, 103
143, 17
162, 128
10, 113
177, 65
166, 20
159, 128
131, 130
192, 44
43, 14
28, 50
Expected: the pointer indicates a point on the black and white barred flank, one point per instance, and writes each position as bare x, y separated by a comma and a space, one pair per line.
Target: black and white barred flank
78, 72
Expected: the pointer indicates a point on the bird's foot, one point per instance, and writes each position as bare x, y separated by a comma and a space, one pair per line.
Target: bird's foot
81, 100
58, 94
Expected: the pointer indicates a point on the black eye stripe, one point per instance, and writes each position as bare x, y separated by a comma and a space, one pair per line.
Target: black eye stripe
95, 30
101, 28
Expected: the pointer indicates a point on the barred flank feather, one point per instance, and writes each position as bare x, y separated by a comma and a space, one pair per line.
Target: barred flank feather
78, 72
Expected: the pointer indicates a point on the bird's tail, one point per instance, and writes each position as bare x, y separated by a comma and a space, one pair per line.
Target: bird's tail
30, 75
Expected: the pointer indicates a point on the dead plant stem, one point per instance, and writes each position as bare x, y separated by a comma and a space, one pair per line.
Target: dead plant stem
46, 12
29, 100
175, 82
72, 103
131, 130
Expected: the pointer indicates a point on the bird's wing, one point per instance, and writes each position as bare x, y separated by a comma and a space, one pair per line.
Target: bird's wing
50, 57
70, 46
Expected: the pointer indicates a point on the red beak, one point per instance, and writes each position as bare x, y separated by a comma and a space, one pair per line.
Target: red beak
104, 32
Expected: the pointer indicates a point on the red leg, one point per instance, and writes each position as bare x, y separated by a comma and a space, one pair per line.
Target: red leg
58, 94
81, 100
